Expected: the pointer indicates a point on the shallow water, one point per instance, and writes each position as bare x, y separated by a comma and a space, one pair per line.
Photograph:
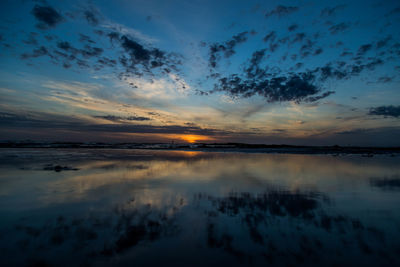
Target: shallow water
148, 207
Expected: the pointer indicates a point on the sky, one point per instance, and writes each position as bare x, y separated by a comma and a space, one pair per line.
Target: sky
272, 72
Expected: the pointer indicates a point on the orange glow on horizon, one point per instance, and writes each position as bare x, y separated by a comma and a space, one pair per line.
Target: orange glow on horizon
167, 138
193, 138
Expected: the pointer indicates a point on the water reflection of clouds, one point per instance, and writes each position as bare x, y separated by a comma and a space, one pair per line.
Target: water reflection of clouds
243, 208
386, 183
273, 227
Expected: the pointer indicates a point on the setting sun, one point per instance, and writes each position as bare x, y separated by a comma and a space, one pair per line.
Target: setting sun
192, 138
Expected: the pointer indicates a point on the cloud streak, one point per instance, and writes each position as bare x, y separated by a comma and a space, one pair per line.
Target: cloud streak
386, 111
281, 11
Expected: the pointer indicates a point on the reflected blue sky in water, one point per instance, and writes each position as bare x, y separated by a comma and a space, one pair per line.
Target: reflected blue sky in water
126, 205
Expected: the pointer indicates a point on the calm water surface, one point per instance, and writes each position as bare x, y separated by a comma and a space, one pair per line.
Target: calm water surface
154, 208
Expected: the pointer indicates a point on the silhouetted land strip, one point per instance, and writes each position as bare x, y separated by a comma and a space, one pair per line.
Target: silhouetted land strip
214, 147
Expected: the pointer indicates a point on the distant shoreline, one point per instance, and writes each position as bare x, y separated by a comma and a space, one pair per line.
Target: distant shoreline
216, 147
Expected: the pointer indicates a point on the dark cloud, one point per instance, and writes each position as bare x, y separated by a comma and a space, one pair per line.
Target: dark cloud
113, 36
270, 36
318, 51
364, 48
50, 37
99, 32
328, 72
137, 52
279, 130
385, 79
340, 70
91, 17
299, 37
296, 87
226, 48
31, 40
66, 65
66, 46
306, 48
254, 69
282, 11
142, 59
339, 43
371, 65
119, 118
66, 55
41, 51
89, 51
47, 16
382, 136
382, 43
330, 11
298, 65
386, 111
293, 27
346, 53
340, 27
107, 62
316, 98
15, 121
253, 32
276, 85
85, 39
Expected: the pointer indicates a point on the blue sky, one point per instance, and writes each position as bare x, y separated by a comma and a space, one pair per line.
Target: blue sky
296, 72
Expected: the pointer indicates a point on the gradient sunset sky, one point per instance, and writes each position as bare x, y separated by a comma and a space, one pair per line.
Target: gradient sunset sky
274, 72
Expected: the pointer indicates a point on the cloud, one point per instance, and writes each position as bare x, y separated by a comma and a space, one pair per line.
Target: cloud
86, 52
371, 65
121, 29
383, 42
318, 51
254, 69
170, 87
91, 17
330, 11
364, 48
345, 71
15, 121
41, 51
340, 27
316, 98
270, 36
66, 46
129, 55
381, 136
31, 40
121, 119
85, 39
142, 59
293, 27
227, 48
386, 111
296, 87
47, 16
90, 51
281, 11
136, 50
299, 37
385, 79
